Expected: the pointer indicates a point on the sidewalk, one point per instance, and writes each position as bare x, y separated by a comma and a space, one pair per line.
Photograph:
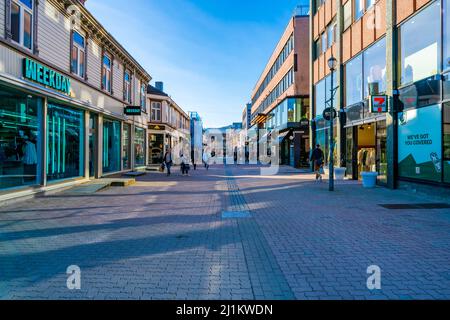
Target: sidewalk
287, 237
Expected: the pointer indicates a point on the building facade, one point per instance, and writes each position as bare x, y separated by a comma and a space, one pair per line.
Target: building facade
397, 50
196, 132
168, 127
280, 99
64, 84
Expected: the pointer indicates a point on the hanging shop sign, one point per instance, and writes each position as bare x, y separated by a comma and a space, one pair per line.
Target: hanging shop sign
133, 111
36, 72
378, 104
329, 113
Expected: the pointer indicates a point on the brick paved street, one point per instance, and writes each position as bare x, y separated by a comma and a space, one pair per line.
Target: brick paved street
181, 238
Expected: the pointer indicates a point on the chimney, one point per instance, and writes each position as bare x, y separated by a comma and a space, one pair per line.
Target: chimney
159, 85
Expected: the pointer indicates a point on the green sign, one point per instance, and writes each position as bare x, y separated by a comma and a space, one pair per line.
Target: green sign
39, 73
133, 111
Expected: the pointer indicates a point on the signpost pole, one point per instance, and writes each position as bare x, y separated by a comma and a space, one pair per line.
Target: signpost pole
331, 186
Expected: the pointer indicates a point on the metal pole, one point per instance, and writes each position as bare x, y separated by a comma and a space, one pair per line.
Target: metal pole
332, 136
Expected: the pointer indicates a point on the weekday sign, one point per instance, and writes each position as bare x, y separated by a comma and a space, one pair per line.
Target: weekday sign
39, 73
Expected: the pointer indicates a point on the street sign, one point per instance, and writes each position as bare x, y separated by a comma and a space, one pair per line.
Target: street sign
133, 111
304, 122
378, 104
329, 113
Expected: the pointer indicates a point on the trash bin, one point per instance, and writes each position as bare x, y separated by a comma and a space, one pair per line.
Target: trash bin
369, 179
339, 173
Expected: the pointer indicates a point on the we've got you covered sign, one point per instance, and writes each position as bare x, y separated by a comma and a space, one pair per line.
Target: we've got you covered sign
36, 72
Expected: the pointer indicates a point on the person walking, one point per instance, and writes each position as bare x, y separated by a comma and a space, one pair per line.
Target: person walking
317, 158
168, 160
206, 160
184, 165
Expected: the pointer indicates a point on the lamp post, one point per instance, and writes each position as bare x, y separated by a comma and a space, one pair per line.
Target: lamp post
332, 62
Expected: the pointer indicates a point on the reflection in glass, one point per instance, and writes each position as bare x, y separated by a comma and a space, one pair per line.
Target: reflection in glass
375, 68
353, 81
419, 55
447, 34
447, 143
139, 147
111, 146
126, 135
19, 138
65, 146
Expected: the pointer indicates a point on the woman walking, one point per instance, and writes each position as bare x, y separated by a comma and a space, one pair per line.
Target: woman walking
168, 160
317, 157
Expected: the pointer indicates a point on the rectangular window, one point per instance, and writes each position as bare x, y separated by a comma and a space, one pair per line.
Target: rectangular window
111, 147
447, 34
126, 134
447, 86
369, 4
419, 56
106, 73
320, 97
359, 9
324, 42
375, 68
354, 81
65, 146
127, 87
22, 22
78, 54
330, 35
348, 14
447, 142
143, 98
156, 111
20, 135
420, 143
317, 48
139, 147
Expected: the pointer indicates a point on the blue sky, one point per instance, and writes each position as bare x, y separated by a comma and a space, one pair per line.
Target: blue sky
208, 53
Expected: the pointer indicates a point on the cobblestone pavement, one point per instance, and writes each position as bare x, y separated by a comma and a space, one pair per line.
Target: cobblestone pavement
229, 233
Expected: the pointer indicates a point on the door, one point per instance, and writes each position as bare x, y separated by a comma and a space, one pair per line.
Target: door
93, 128
350, 153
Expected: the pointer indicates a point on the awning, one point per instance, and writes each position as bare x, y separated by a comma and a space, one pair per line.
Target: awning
260, 118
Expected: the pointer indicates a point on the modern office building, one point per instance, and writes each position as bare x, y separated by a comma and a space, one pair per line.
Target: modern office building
280, 99
169, 125
399, 50
196, 131
64, 84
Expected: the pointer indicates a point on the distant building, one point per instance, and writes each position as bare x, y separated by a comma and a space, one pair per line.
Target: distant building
196, 137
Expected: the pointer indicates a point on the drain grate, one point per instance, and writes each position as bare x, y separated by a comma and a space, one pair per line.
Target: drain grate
420, 206
236, 214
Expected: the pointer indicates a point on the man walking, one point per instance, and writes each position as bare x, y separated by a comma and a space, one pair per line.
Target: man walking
206, 160
168, 160
317, 158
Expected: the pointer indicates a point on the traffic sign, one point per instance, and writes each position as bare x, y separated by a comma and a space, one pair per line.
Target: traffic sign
378, 104
329, 113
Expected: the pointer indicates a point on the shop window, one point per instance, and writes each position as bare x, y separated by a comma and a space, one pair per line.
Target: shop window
19, 138
354, 81
22, 22
446, 34
78, 54
126, 136
419, 56
111, 147
420, 143
65, 142
93, 135
422, 93
375, 68
139, 147
447, 86
447, 142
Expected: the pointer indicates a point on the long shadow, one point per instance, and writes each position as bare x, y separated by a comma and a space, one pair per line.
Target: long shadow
54, 209
114, 225
44, 265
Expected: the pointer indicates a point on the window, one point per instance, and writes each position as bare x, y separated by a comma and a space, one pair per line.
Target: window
143, 98
78, 54
320, 97
348, 14
126, 134
156, 111
331, 34
127, 87
447, 86
139, 147
447, 142
369, 4
19, 138
106, 73
446, 34
22, 22
375, 68
419, 57
359, 9
354, 81
317, 49
111, 146
324, 42
65, 147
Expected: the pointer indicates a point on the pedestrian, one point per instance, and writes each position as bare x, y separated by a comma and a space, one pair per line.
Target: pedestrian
317, 158
206, 160
168, 160
184, 165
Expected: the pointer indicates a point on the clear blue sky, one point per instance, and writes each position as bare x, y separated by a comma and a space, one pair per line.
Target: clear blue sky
208, 53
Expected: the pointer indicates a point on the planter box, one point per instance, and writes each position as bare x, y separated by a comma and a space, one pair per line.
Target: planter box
369, 179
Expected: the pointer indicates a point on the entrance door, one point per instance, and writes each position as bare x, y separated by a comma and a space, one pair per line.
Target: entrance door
350, 153
381, 152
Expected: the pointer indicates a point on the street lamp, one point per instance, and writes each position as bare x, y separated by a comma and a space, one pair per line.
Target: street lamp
332, 63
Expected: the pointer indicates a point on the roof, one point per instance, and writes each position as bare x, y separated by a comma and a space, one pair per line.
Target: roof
152, 90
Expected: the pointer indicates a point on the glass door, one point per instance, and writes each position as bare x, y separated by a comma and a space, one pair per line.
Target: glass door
381, 155
93, 125
350, 153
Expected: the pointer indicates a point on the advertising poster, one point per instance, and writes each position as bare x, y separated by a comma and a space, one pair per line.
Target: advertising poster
420, 143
